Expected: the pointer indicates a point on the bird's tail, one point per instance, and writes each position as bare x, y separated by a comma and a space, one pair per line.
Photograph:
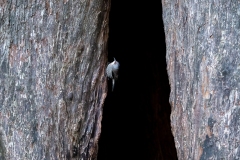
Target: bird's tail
113, 83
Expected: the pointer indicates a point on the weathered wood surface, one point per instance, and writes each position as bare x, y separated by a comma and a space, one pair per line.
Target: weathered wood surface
203, 59
52, 82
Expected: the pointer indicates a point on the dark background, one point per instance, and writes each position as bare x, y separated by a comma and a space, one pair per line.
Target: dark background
136, 115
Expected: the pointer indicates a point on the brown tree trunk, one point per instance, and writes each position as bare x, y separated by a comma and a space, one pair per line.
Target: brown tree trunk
203, 58
52, 81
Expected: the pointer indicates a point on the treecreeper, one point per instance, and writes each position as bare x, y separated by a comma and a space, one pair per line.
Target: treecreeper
112, 71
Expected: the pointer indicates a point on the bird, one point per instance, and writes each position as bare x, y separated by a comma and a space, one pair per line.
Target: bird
112, 71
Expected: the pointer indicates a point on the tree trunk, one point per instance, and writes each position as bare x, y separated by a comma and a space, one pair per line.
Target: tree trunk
52, 81
203, 59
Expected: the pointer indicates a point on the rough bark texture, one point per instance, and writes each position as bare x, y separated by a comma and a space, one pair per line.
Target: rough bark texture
52, 81
203, 59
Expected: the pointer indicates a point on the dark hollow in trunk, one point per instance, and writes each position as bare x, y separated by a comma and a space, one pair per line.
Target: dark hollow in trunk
136, 116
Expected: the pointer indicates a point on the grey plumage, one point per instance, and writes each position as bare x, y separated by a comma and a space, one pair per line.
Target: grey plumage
112, 71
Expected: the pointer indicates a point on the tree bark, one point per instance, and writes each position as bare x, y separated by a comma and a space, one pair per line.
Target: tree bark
202, 39
52, 81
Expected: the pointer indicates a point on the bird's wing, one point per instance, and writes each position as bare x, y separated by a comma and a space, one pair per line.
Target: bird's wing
109, 71
115, 74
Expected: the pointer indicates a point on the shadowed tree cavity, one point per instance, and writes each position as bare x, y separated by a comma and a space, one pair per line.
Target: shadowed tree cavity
136, 118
